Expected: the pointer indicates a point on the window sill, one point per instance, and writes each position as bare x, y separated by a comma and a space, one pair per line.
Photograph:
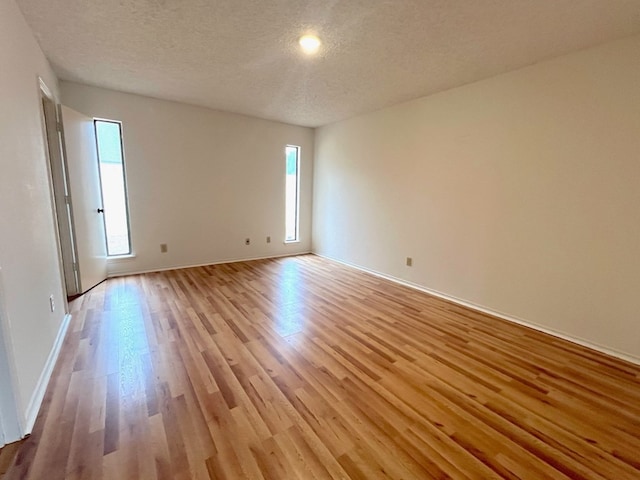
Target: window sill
117, 258
291, 241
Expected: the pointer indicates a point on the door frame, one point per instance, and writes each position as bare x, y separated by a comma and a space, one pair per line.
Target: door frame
60, 192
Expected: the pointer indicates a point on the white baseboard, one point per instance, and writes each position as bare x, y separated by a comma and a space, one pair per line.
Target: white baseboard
556, 333
41, 388
180, 267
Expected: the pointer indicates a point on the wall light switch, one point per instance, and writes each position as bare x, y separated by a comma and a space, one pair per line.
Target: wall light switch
409, 261
163, 248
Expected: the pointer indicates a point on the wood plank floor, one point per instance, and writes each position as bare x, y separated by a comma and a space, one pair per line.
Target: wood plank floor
7, 454
299, 368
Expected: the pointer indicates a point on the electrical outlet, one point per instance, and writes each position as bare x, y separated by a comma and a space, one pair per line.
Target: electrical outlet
409, 261
164, 248
247, 241
268, 239
52, 304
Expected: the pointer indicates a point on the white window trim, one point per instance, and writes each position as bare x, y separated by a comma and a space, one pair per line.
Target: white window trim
298, 168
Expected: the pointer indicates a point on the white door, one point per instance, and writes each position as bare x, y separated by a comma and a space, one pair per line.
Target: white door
60, 187
86, 197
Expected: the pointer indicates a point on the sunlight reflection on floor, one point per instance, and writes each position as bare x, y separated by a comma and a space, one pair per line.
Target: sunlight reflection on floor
289, 318
126, 324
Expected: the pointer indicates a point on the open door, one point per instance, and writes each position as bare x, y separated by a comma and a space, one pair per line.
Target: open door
61, 194
86, 197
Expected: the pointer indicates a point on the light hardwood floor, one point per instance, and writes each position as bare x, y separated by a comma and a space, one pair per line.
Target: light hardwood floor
299, 368
7, 454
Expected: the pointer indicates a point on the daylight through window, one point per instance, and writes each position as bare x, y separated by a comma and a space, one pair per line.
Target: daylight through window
292, 157
114, 190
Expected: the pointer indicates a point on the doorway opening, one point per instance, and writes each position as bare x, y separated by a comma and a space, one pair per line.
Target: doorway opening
59, 176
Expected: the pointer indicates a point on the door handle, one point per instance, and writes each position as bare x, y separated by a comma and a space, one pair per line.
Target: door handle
101, 210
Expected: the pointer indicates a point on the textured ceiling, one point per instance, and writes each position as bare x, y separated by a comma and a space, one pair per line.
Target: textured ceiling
242, 56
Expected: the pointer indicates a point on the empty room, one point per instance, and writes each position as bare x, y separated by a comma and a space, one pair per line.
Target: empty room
344, 239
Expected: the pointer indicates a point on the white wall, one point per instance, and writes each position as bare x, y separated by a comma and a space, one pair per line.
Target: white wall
200, 180
520, 193
30, 269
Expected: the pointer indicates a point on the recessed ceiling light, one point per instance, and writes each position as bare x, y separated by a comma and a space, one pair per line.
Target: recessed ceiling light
310, 44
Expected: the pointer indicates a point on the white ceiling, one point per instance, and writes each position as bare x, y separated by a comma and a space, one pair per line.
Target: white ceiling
242, 56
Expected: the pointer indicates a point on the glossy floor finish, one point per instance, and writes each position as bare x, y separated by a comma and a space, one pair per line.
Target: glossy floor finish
299, 368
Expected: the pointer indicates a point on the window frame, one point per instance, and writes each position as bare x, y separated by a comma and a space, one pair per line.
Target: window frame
296, 239
125, 187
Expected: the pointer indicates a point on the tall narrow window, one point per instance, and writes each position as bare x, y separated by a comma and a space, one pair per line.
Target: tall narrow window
292, 156
114, 189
